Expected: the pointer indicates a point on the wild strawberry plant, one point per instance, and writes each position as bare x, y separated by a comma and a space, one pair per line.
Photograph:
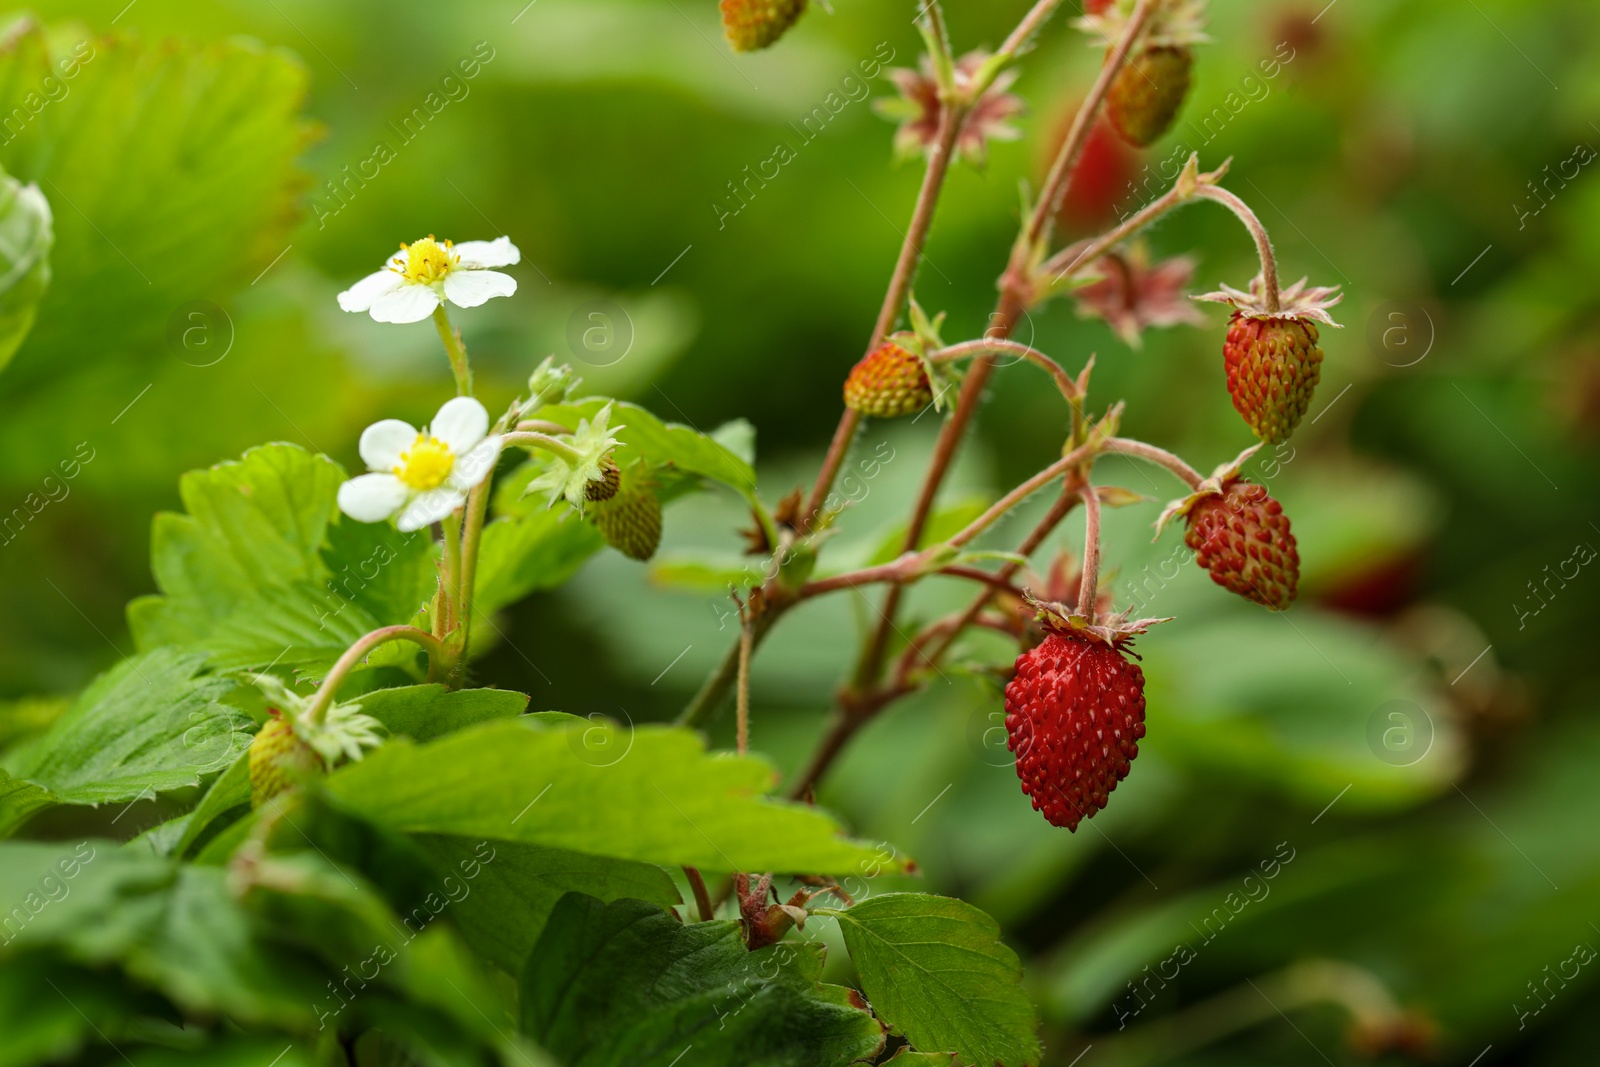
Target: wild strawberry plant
352, 786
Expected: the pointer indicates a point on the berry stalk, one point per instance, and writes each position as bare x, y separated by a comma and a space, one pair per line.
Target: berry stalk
1159, 456
1089, 580
994, 346
323, 698
455, 350
1258, 233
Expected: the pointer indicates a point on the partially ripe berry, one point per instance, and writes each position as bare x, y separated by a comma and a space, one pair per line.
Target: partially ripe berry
1241, 536
278, 759
756, 24
1273, 366
888, 382
1148, 92
1074, 717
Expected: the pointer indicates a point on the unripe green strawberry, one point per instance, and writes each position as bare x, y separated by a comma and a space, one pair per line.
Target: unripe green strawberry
1241, 535
606, 486
630, 521
756, 24
888, 382
1272, 355
1148, 92
278, 759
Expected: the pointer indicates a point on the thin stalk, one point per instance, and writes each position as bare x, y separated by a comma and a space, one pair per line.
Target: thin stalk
742, 736
1022, 492
452, 570
542, 426
471, 542
1060, 265
1258, 232
903, 569
1029, 25
1089, 580
323, 698
544, 442
719, 681
702, 898
1159, 456
990, 346
455, 350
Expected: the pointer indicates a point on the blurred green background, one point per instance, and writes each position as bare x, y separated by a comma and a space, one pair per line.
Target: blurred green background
1419, 735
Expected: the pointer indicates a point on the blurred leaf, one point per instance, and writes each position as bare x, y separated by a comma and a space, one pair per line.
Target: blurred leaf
539, 550
706, 573
515, 890
19, 800
231, 790
663, 800
149, 725
943, 525
243, 575
936, 970
26, 234
172, 167
27, 716
424, 712
626, 983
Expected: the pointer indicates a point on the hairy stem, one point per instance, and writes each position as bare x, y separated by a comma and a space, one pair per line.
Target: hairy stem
544, 442
993, 346
455, 350
742, 734
1089, 581
702, 899
1258, 233
1159, 456
323, 698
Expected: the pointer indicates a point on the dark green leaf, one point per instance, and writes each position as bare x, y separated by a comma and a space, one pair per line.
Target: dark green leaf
517, 886
661, 444
936, 970
653, 795
627, 984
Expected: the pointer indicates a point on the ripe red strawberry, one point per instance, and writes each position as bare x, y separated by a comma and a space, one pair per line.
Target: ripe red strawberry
756, 24
1272, 355
1074, 717
1148, 92
888, 382
1241, 535
278, 759
631, 520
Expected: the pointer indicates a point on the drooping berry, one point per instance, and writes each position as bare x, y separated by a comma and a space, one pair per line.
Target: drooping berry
1074, 717
605, 487
1272, 354
1148, 92
755, 24
630, 520
888, 382
1241, 535
278, 759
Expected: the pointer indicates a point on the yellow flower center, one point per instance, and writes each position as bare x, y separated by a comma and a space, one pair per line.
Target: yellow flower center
428, 260
426, 464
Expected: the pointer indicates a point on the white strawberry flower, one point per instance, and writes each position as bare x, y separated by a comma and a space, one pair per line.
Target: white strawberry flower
426, 273
421, 476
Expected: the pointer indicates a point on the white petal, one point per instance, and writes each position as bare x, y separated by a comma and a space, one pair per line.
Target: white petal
372, 497
409, 303
475, 255
382, 443
362, 295
469, 288
474, 466
428, 508
461, 423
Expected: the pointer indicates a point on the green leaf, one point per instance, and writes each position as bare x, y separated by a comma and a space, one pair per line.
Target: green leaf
662, 444
936, 970
538, 550
627, 984
424, 712
945, 524
518, 886
27, 716
705, 573
229, 792
26, 234
148, 725
171, 166
244, 576
19, 800
375, 567
653, 795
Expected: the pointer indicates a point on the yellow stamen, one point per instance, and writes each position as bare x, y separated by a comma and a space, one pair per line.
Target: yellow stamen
428, 260
426, 464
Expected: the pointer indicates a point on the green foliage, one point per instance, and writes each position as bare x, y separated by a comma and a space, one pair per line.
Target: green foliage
530, 552
936, 970
663, 800
626, 983
26, 234
150, 725
244, 576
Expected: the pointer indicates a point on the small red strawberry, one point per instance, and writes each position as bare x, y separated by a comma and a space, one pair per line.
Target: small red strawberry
888, 382
1272, 356
1147, 94
279, 758
1240, 534
755, 24
1074, 716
